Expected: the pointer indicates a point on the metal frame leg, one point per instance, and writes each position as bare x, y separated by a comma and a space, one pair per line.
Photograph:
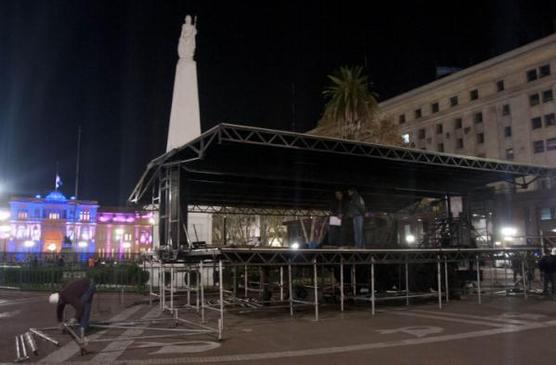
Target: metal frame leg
478, 278
245, 282
446, 280
188, 278
373, 286
316, 285
290, 287
202, 290
439, 277
406, 283
281, 283
523, 279
342, 284
353, 282
221, 289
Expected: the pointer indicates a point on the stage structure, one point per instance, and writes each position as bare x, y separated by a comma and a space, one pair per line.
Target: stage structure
235, 169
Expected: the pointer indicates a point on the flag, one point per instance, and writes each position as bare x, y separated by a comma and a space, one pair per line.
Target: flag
58, 182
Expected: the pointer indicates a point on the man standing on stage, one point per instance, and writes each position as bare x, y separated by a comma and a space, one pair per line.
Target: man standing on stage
79, 294
356, 210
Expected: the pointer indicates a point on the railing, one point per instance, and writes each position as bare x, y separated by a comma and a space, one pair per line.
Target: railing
66, 259
48, 276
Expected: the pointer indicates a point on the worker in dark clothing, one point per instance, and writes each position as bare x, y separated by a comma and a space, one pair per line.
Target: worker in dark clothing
547, 265
79, 294
356, 210
335, 220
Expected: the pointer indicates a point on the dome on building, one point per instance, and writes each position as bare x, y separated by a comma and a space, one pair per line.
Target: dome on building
56, 196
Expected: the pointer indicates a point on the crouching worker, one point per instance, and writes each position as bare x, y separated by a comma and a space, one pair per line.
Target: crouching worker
79, 294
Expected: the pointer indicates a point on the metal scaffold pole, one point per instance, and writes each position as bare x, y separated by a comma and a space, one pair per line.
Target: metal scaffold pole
478, 278
290, 287
315, 278
446, 279
373, 286
342, 284
221, 289
439, 276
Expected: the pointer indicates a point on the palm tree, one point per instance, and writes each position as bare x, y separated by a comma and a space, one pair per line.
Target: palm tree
352, 110
350, 102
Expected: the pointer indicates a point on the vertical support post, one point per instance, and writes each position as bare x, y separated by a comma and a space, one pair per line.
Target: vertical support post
246, 282
150, 283
506, 261
523, 279
342, 284
373, 286
221, 289
234, 289
316, 284
281, 283
353, 282
188, 278
172, 288
446, 288
406, 282
478, 278
202, 290
198, 288
162, 286
290, 287
439, 277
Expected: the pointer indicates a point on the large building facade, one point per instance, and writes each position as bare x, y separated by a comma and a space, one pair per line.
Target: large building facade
502, 108
54, 224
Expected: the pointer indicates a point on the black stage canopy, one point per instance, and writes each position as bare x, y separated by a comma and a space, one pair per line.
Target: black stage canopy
241, 166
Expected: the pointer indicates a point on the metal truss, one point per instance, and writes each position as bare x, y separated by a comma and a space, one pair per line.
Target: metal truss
277, 257
229, 133
258, 211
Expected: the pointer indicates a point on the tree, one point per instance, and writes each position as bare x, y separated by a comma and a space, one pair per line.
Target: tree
352, 110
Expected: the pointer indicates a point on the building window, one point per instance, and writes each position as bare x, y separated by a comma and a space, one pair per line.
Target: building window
500, 85
547, 96
453, 101
507, 131
466, 130
478, 117
474, 94
549, 120
480, 138
459, 143
544, 70
435, 108
546, 214
510, 154
405, 138
439, 129
506, 109
429, 140
458, 123
84, 215
418, 114
538, 146
401, 119
54, 215
551, 144
421, 133
441, 147
532, 75
534, 99
21, 214
536, 123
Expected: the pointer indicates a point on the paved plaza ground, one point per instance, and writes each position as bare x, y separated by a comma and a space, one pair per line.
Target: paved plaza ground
501, 330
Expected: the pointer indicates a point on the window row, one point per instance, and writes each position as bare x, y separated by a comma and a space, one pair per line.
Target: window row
549, 120
538, 72
533, 74
541, 146
535, 99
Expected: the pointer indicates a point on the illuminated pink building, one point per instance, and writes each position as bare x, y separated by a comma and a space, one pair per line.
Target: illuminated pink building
53, 223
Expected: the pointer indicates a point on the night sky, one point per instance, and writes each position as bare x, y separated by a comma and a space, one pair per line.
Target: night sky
109, 67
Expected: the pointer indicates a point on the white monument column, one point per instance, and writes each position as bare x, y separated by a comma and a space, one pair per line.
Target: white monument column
185, 121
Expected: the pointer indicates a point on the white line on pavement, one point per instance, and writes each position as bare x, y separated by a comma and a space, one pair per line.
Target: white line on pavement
111, 352
471, 316
452, 319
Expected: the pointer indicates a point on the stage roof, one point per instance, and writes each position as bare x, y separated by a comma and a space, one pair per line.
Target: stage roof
241, 166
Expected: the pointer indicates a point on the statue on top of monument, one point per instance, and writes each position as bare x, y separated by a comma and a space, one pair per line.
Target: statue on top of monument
186, 46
